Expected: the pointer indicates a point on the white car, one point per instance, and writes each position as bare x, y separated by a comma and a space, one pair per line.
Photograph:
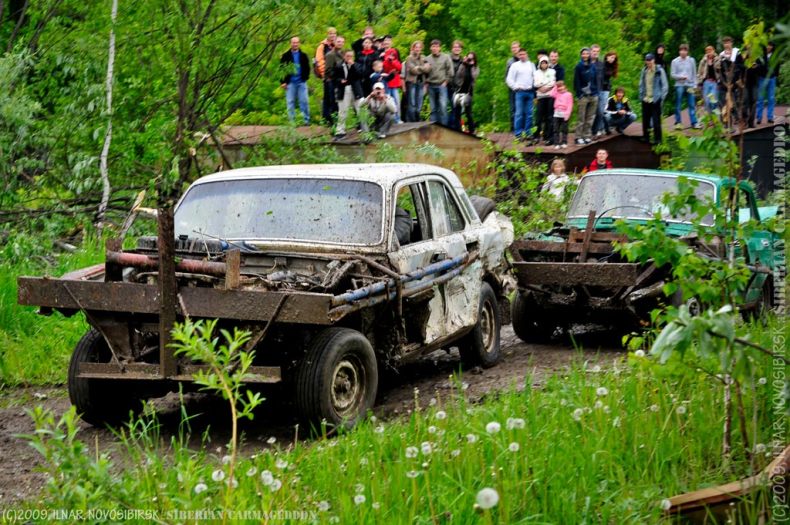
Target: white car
341, 269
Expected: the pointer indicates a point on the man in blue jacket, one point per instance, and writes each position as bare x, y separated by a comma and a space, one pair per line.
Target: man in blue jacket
297, 65
653, 89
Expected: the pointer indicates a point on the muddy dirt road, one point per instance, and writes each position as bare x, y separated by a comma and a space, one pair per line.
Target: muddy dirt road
20, 480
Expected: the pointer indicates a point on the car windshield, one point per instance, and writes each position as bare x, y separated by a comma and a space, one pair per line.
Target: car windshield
631, 196
298, 209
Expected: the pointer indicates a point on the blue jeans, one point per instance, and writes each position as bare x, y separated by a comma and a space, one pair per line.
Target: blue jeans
767, 92
600, 123
395, 94
680, 93
416, 95
523, 120
294, 91
437, 96
710, 92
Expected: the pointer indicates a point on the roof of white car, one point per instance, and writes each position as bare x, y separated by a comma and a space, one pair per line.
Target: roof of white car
385, 174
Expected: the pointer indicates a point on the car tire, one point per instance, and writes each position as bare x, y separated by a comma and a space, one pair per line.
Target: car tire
337, 379
99, 402
481, 346
483, 206
692, 303
528, 325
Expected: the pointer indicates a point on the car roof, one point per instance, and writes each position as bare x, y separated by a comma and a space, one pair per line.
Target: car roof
384, 174
715, 179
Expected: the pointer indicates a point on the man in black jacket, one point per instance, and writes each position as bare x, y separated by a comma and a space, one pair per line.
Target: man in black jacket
297, 65
348, 85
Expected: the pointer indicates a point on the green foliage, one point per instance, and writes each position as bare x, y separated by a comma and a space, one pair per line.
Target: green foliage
635, 434
515, 186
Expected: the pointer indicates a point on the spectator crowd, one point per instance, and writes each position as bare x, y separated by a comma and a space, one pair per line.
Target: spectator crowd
370, 78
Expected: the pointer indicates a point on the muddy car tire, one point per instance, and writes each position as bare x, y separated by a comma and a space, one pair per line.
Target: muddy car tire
338, 378
481, 347
99, 402
483, 206
528, 324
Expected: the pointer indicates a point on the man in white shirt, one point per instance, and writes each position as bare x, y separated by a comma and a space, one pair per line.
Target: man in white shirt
683, 71
521, 79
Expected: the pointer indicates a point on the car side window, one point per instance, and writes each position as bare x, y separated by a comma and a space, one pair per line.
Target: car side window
411, 219
445, 214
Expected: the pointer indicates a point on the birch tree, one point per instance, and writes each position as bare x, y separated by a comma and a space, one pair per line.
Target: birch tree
105, 152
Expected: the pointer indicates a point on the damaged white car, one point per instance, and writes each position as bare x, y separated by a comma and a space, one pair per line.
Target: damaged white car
336, 270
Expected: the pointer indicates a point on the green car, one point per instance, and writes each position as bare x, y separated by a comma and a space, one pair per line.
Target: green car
573, 275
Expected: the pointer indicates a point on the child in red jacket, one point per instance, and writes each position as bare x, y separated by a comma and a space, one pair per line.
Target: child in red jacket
392, 68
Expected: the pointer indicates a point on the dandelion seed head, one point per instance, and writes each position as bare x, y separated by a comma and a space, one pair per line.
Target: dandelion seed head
363, 461
232, 483
379, 429
493, 427
267, 477
681, 409
432, 429
251, 472
514, 423
441, 414
411, 452
281, 464
487, 498
762, 381
323, 506
218, 475
359, 499
577, 414
602, 391
666, 504
275, 485
471, 438
513, 447
426, 448
226, 459
200, 487
455, 453
412, 474
376, 505
654, 408
598, 405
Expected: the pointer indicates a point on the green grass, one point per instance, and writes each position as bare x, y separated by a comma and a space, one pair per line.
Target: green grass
34, 349
630, 446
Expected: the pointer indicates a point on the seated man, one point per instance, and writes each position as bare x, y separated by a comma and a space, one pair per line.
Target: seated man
382, 107
618, 111
403, 226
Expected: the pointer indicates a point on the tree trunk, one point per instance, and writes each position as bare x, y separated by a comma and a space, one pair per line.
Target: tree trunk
105, 176
726, 446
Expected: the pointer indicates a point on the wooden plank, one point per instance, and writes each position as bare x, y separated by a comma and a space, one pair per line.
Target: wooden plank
588, 231
242, 305
560, 247
168, 289
591, 274
233, 269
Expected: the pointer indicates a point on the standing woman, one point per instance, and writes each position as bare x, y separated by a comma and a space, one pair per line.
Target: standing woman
365, 61
610, 70
415, 68
464, 82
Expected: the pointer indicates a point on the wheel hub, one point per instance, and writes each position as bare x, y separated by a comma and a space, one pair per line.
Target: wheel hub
487, 327
347, 386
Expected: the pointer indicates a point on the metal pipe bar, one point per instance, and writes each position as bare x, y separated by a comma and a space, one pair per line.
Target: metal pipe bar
144, 262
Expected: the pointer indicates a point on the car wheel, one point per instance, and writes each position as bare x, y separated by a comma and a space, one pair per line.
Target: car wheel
528, 324
337, 379
99, 402
692, 303
481, 346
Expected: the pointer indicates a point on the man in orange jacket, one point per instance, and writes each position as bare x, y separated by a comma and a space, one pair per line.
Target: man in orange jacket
329, 106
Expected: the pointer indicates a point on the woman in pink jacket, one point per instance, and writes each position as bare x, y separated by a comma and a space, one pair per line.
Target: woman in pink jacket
563, 106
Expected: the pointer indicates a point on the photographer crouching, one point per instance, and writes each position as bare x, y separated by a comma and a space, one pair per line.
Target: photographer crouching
382, 107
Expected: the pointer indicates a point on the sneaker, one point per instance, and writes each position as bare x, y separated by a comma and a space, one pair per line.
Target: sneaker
770, 121
557, 146
697, 126
587, 140
620, 131
580, 141
678, 125
564, 145
381, 136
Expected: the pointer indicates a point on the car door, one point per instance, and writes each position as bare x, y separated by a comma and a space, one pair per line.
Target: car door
436, 237
757, 243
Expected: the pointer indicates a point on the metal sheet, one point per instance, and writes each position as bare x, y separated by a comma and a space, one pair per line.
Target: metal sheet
591, 274
243, 305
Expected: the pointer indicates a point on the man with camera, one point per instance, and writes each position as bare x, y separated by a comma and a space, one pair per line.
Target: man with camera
382, 108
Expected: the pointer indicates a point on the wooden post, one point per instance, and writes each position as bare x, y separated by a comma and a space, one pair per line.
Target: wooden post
233, 265
112, 272
167, 290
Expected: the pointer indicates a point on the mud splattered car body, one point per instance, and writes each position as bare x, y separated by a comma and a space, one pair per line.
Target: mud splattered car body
573, 274
336, 271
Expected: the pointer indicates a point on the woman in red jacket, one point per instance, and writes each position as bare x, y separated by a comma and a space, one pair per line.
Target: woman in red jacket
601, 161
